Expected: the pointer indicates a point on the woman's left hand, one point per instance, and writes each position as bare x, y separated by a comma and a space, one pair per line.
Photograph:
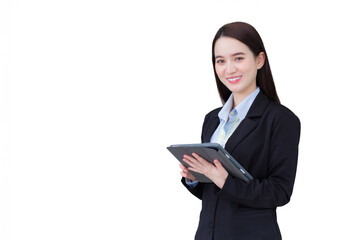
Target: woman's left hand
215, 172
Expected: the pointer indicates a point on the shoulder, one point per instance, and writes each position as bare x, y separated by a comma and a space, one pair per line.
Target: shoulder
282, 115
268, 110
213, 113
280, 110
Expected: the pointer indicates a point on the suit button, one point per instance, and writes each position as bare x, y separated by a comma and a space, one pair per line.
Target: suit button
211, 225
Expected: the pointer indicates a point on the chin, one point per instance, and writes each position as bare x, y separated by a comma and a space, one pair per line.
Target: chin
242, 89
238, 89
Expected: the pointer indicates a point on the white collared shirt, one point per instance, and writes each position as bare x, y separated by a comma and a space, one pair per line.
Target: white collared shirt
230, 120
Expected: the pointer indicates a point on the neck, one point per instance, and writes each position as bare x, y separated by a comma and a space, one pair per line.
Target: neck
240, 96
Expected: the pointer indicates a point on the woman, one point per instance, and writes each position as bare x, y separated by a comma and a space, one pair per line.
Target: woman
260, 133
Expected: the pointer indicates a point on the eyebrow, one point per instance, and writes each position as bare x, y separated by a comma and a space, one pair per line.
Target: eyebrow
238, 53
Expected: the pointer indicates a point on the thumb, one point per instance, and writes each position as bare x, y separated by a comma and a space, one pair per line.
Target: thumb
217, 163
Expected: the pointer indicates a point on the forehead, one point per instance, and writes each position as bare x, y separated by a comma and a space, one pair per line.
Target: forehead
226, 46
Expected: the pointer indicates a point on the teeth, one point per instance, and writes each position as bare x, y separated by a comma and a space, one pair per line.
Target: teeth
233, 79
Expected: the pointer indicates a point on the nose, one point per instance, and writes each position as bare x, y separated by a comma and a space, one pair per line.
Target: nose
230, 68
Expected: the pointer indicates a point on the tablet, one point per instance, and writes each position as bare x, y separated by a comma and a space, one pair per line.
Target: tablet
210, 151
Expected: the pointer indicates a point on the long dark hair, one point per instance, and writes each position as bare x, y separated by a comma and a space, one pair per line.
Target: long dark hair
248, 35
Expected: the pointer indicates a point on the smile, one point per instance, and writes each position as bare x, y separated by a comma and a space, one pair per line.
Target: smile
234, 79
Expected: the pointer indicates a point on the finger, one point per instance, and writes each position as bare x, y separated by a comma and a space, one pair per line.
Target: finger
188, 162
201, 160
183, 174
191, 164
217, 163
195, 169
185, 171
188, 175
182, 166
192, 161
191, 158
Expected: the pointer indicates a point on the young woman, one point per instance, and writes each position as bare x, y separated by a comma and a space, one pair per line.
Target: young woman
259, 132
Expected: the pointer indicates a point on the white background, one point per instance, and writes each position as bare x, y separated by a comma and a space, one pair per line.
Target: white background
84, 83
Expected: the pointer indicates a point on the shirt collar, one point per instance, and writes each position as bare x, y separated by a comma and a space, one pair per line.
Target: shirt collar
242, 108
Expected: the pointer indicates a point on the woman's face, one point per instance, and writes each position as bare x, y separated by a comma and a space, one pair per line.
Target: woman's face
236, 66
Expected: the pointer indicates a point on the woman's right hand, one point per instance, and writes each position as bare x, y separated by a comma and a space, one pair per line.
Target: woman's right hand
185, 173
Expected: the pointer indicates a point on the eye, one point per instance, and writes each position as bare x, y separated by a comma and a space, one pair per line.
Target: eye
220, 61
238, 58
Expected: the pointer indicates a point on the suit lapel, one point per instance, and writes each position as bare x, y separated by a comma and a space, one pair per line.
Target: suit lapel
249, 123
212, 125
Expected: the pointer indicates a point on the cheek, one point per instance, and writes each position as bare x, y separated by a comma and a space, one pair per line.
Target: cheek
218, 71
251, 66
244, 67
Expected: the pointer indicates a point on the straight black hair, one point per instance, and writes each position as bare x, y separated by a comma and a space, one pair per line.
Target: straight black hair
248, 35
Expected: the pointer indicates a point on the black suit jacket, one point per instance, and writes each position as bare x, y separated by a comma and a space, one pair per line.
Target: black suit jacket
266, 144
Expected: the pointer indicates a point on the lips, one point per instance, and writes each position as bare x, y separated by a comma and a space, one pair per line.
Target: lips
234, 79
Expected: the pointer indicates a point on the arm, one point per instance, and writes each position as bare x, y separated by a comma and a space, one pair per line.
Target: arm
276, 189
190, 182
195, 189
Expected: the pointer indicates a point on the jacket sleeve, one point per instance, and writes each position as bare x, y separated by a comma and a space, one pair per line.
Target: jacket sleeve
276, 189
197, 191
199, 188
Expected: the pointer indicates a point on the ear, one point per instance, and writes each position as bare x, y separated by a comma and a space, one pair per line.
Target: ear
260, 60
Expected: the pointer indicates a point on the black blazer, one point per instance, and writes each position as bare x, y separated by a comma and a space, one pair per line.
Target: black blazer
266, 144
